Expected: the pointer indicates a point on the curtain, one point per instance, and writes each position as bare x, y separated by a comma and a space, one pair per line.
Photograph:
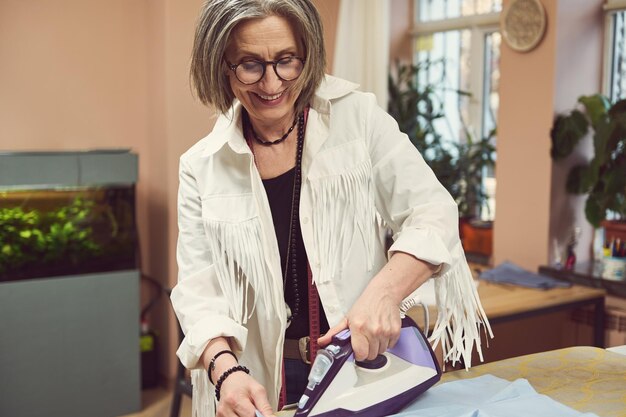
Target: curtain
362, 45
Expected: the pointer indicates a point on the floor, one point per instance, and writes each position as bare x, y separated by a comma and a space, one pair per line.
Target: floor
157, 402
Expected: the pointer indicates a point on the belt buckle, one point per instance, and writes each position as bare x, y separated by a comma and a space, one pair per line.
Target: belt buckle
303, 347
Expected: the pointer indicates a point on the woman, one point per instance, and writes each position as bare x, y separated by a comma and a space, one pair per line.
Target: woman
290, 195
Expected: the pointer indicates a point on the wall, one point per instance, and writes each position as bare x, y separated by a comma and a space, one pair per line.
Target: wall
400, 45
533, 208
179, 122
579, 34
524, 119
69, 81
329, 11
83, 74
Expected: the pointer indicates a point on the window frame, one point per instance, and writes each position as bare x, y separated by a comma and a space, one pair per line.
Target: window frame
480, 25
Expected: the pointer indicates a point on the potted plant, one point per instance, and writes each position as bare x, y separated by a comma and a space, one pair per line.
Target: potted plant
459, 165
603, 178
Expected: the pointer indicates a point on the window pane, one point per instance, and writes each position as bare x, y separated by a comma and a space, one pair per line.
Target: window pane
490, 113
446, 9
447, 67
618, 65
453, 8
462, 66
492, 81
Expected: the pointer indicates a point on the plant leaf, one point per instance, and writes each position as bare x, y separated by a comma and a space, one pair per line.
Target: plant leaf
566, 132
578, 180
615, 180
596, 107
593, 211
618, 108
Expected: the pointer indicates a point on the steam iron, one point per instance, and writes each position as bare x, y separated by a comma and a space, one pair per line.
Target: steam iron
339, 386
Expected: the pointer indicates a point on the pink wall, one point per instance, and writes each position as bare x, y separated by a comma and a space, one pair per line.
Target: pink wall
579, 34
523, 167
69, 81
179, 123
533, 208
81, 74
329, 11
401, 14
84, 74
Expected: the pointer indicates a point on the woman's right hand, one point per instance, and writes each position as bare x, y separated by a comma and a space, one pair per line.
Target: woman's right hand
240, 395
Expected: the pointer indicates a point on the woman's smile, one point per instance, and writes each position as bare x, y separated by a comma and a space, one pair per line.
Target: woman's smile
270, 102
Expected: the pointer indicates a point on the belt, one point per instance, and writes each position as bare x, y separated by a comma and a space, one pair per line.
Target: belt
298, 349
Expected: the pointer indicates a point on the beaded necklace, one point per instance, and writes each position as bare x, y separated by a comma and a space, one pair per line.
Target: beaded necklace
267, 142
291, 260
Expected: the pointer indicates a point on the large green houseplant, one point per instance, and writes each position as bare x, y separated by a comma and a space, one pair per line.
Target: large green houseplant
458, 164
603, 178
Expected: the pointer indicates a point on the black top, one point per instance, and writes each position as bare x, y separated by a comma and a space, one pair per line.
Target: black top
280, 195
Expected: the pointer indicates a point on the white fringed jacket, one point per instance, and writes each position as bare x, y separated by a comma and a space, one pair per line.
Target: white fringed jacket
359, 172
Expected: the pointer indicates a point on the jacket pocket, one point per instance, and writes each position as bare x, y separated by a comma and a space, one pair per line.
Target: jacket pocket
339, 160
230, 208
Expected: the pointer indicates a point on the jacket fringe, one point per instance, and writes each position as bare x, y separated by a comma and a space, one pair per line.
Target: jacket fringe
239, 265
203, 403
460, 315
355, 190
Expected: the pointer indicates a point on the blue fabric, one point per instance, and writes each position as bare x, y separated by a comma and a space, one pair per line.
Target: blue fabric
509, 273
487, 396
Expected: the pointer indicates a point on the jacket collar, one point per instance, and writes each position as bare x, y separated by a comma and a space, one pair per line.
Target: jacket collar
227, 129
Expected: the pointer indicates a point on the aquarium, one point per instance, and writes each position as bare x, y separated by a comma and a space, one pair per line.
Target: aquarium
66, 231
67, 213
69, 272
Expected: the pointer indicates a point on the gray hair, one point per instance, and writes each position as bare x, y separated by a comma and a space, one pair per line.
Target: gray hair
217, 20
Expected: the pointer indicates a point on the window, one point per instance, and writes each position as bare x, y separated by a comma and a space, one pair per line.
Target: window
457, 44
615, 53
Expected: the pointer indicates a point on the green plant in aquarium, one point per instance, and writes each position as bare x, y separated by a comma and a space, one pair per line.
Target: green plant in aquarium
31, 237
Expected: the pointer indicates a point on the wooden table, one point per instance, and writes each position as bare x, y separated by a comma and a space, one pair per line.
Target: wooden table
584, 378
504, 303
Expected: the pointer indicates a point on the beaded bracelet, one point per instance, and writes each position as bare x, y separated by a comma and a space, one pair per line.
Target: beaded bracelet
212, 363
225, 375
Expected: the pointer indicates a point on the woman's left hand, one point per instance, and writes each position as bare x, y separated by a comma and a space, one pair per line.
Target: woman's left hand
374, 323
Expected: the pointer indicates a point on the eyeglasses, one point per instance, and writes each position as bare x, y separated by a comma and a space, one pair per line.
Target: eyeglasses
252, 71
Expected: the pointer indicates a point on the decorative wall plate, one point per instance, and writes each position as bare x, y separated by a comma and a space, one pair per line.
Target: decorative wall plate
523, 24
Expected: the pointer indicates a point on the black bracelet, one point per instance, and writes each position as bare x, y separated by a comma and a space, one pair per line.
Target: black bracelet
212, 363
225, 375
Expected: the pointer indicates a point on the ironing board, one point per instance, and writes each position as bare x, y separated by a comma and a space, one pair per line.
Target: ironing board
587, 379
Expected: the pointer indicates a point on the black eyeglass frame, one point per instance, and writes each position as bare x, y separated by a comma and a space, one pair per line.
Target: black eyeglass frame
233, 68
